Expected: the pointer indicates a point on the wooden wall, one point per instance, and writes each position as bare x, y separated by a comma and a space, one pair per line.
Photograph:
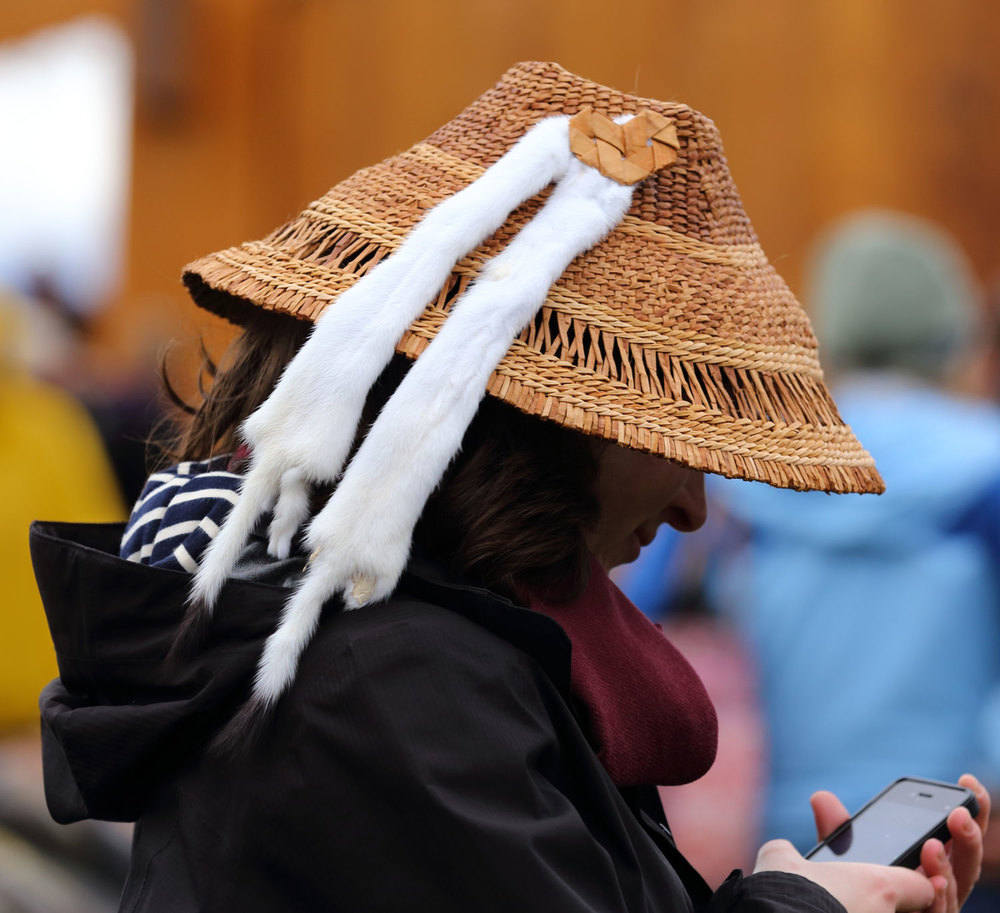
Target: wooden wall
246, 109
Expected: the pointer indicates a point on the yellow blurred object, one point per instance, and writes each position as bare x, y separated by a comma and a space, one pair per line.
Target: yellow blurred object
52, 466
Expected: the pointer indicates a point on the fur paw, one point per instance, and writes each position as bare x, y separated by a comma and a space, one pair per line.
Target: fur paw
290, 512
358, 553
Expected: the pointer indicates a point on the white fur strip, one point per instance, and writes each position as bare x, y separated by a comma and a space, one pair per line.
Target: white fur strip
302, 433
362, 537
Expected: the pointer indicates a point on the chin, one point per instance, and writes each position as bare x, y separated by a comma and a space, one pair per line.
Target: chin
624, 552
630, 550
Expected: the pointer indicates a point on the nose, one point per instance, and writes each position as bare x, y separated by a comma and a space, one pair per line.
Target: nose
688, 510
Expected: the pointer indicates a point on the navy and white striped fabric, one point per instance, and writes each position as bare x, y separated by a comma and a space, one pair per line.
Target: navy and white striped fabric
179, 513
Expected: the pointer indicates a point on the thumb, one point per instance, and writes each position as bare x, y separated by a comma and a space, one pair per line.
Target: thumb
829, 813
777, 855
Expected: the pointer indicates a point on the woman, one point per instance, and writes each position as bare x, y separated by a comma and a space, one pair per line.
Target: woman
484, 732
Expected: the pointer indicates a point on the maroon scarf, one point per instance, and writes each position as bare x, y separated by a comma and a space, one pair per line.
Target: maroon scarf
648, 714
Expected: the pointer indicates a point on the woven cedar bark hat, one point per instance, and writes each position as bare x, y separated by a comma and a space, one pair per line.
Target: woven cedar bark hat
674, 335
578, 253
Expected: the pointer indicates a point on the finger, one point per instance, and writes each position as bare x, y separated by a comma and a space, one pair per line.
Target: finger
937, 867
982, 797
943, 902
828, 811
913, 891
966, 851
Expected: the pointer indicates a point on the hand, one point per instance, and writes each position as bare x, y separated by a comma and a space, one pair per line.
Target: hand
940, 885
954, 868
861, 887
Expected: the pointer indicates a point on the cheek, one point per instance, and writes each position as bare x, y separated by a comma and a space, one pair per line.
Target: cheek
660, 484
648, 501
635, 488
637, 492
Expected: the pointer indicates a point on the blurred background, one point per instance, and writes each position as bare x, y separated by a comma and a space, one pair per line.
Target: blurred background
140, 134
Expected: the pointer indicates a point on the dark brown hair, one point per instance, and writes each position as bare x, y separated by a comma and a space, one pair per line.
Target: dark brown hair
228, 390
512, 510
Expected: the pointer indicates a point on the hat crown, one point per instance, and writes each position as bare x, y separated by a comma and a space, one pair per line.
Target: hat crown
695, 197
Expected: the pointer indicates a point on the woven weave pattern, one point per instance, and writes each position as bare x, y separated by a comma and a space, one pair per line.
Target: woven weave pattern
674, 335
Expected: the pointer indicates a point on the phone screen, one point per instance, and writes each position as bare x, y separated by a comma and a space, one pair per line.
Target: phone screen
886, 828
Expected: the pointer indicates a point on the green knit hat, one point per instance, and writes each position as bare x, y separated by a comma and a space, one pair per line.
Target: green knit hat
891, 291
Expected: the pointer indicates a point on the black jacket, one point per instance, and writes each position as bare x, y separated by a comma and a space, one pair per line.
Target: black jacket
426, 758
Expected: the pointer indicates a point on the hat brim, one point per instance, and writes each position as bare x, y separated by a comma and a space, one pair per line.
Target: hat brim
673, 336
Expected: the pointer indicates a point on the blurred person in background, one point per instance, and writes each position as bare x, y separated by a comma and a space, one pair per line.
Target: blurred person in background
124, 402
875, 622
52, 463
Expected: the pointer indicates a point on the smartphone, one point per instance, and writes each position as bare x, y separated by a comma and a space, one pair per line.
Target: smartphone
893, 826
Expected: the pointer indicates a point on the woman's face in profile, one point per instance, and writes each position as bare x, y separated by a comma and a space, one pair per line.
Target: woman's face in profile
636, 493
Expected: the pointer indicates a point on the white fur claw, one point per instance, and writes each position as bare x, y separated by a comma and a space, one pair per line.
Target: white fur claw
289, 449
256, 497
361, 549
289, 514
